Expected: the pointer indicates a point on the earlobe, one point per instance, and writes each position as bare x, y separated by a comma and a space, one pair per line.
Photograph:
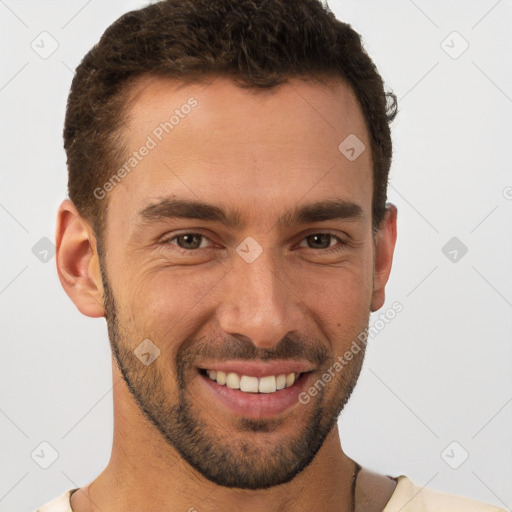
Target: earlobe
385, 246
77, 261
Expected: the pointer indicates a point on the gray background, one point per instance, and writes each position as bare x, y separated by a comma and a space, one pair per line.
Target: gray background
439, 373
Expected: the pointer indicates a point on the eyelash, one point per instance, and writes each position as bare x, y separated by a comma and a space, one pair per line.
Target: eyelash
328, 250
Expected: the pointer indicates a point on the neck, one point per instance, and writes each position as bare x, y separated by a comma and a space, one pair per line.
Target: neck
145, 472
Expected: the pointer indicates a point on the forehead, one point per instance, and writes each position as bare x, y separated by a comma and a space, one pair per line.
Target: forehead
328, 107
256, 150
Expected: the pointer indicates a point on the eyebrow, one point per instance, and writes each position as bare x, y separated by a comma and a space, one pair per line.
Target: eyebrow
170, 208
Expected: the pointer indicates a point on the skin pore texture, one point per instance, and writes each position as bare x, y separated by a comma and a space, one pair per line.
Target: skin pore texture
305, 298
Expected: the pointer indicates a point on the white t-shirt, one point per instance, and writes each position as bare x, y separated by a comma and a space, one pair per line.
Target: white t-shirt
407, 497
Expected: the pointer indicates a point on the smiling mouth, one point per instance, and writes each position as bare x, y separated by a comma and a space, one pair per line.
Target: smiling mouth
251, 384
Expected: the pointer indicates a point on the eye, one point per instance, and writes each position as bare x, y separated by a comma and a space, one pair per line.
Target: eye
323, 241
187, 241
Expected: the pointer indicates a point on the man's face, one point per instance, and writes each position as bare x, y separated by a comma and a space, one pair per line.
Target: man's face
209, 293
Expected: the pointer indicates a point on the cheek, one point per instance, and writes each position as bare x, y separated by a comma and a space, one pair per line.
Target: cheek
339, 299
170, 304
341, 304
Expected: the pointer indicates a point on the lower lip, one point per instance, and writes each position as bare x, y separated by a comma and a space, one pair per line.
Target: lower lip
256, 405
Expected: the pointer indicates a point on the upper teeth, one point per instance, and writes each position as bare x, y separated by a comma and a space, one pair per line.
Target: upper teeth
249, 384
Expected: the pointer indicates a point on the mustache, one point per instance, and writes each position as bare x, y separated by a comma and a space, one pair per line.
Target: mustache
240, 347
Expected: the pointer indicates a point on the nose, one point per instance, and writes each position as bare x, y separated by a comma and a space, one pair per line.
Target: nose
261, 301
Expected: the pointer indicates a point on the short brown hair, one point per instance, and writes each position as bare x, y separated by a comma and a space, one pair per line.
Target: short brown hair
257, 43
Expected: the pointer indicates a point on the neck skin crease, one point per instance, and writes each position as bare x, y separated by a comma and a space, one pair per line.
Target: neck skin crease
145, 473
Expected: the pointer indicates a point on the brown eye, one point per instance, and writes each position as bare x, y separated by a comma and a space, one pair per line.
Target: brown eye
187, 241
320, 240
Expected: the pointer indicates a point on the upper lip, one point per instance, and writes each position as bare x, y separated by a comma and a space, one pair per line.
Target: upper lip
259, 369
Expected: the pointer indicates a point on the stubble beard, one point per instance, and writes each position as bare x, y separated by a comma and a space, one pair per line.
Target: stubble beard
229, 459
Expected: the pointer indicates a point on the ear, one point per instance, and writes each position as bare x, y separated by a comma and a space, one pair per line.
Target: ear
77, 261
385, 240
